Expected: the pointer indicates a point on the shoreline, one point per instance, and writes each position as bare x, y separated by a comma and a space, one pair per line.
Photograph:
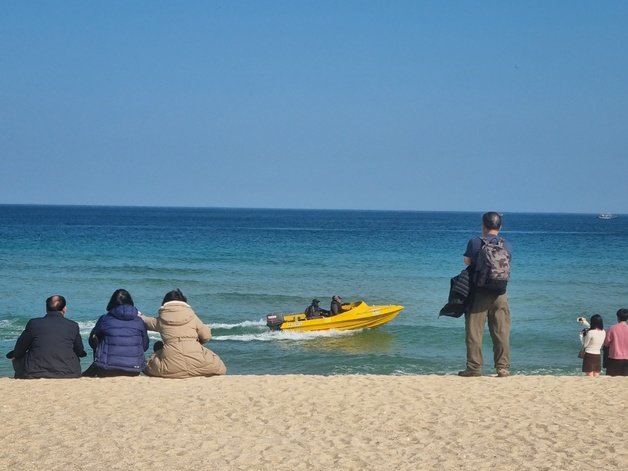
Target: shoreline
447, 374
316, 422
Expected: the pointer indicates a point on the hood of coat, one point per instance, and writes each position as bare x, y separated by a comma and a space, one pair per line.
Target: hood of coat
125, 312
176, 313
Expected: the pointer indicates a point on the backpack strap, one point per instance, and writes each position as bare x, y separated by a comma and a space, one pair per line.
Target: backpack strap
491, 240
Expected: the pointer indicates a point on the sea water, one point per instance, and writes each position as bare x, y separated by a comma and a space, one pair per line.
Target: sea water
237, 265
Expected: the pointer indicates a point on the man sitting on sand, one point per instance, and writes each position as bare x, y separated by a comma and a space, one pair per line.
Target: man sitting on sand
50, 346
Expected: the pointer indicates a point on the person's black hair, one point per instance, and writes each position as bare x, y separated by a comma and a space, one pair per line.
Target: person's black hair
119, 298
622, 315
596, 322
56, 302
492, 221
174, 295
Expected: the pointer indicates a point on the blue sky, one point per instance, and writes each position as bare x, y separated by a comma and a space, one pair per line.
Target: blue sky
517, 106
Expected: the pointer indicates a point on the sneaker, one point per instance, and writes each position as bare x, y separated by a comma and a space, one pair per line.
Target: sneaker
502, 372
469, 373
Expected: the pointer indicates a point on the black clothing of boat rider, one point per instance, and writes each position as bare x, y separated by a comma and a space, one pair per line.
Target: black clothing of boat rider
336, 305
313, 311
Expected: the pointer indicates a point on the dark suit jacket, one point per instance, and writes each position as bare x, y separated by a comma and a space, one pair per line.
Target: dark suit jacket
50, 347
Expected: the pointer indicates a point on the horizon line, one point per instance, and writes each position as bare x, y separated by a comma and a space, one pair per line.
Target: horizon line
140, 206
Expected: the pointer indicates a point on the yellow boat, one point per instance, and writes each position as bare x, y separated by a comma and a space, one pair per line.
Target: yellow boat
357, 315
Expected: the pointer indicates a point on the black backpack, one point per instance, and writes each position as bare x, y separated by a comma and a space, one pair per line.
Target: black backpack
492, 266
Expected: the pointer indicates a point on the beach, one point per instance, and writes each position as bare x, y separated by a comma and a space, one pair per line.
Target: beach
315, 422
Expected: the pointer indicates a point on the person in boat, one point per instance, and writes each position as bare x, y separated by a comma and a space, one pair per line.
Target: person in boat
314, 311
336, 305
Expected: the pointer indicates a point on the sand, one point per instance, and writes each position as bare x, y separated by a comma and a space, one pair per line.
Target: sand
315, 422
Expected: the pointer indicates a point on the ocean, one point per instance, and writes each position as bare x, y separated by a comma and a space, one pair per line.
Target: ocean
237, 265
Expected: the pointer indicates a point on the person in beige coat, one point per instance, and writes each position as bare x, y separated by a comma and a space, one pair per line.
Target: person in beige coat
183, 333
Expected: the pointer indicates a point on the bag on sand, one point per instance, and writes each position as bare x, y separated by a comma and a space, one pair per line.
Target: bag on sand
492, 267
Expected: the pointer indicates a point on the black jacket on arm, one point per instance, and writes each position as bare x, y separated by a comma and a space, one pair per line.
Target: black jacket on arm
460, 295
50, 347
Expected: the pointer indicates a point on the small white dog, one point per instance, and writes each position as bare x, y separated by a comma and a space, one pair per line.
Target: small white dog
587, 326
584, 322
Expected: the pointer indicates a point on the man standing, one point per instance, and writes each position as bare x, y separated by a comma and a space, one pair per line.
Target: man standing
50, 346
489, 257
617, 343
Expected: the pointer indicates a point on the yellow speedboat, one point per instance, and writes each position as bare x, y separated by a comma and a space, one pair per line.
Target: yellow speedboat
358, 315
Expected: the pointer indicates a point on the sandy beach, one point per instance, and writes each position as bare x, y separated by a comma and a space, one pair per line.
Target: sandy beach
315, 422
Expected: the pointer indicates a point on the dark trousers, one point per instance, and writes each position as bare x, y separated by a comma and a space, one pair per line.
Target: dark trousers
96, 372
617, 367
19, 366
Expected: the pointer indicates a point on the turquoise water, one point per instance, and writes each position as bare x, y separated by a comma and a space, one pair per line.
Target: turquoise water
237, 265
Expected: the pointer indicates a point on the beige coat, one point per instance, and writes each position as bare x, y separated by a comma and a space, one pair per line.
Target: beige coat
183, 355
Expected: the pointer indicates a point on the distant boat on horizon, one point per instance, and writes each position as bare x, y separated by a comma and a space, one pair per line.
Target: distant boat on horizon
606, 216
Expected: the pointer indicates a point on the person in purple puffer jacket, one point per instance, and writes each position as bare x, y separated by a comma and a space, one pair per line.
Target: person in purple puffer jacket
119, 339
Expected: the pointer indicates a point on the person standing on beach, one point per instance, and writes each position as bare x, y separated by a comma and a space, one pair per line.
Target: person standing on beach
489, 257
617, 342
592, 340
50, 346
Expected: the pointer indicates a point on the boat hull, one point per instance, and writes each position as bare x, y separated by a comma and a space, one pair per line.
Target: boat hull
354, 316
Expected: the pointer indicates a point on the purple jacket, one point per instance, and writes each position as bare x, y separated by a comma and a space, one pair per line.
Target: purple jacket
122, 340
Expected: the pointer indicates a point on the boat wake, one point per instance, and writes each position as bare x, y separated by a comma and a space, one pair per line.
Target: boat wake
245, 324
257, 331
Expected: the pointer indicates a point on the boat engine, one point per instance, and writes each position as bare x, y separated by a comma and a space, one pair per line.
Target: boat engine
274, 321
